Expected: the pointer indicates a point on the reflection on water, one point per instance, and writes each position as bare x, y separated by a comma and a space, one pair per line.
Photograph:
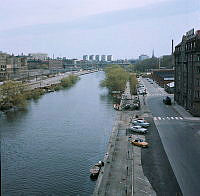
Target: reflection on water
14, 115
49, 148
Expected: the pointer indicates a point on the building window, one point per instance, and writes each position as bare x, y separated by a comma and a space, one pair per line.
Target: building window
197, 83
197, 94
198, 69
198, 57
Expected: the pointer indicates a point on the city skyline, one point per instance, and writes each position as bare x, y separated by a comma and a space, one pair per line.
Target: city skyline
126, 29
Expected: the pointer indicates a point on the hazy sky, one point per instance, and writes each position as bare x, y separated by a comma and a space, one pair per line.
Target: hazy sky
71, 28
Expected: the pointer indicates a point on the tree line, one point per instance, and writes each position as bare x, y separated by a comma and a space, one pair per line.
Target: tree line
116, 78
15, 94
152, 63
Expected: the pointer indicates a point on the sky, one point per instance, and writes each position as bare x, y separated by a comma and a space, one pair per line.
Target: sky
72, 28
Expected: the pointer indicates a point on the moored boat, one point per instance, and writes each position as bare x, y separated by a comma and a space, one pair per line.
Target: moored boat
94, 171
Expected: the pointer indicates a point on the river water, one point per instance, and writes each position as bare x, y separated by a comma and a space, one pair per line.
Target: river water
48, 149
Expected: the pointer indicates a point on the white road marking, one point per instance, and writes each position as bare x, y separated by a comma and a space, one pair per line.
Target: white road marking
167, 118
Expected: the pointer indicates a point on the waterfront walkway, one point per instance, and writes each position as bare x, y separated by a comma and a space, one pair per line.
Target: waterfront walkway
56, 79
122, 173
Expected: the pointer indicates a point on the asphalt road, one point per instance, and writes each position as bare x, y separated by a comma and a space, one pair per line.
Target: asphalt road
156, 165
180, 138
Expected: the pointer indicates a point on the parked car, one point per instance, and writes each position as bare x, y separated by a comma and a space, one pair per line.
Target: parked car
136, 106
137, 129
167, 100
139, 142
141, 123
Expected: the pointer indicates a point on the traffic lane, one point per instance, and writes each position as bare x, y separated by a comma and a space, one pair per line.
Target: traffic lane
151, 88
182, 146
159, 109
156, 165
154, 88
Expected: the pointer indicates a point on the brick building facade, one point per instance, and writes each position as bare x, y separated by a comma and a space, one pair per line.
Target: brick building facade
187, 72
163, 76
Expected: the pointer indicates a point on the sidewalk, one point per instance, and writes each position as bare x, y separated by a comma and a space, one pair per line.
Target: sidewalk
185, 114
122, 173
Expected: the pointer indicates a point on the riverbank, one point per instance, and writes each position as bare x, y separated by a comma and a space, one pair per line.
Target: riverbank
15, 94
130, 170
122, 173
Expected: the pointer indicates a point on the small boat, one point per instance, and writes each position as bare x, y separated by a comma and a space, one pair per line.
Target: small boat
94, 171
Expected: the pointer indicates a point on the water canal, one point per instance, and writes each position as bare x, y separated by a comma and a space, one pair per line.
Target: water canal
49, 148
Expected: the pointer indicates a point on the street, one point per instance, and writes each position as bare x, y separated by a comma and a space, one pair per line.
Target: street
180, 138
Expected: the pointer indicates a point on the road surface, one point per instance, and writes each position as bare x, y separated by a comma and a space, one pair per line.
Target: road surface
180, 138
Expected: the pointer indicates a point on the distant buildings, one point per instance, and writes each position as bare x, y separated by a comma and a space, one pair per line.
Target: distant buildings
143, 57
85, 57
97, 58
163, 76
187, 72
103, 57
12, 66
38, 56
109, 57
91, 58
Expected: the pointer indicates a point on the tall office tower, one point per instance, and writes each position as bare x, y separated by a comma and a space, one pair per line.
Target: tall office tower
91, 57
109, 57
97, 58
85, 57
103, 57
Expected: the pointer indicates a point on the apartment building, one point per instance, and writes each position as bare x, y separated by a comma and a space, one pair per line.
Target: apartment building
187, 72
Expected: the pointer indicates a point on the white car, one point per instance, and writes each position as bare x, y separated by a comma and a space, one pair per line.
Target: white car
138, 129
141, 123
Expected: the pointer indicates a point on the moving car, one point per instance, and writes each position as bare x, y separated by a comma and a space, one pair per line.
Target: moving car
139, 142
137, 129
141, 123
167, 100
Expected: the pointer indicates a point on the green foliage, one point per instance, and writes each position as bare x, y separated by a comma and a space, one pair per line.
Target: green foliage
166, 61
147, 64
69, 81
133, 82
116, 78
34, 94
11, 95
151, 63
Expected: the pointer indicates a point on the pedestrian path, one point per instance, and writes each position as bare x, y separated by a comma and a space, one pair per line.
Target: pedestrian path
168, 118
